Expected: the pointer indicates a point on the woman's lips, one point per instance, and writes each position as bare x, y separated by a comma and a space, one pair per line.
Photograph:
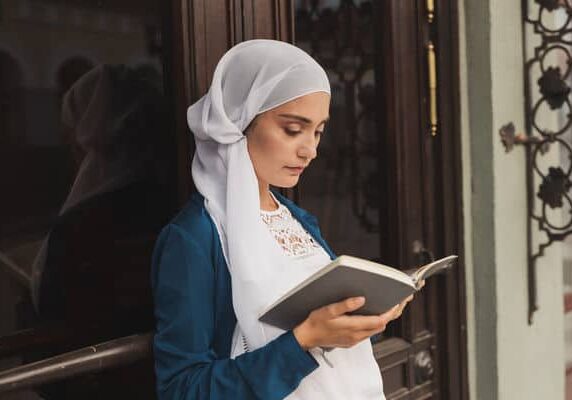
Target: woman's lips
297, 170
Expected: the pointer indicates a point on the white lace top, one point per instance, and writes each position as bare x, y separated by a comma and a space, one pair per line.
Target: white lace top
290, 234
306, 255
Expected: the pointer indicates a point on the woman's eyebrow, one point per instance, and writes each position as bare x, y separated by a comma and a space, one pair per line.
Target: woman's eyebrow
301, 118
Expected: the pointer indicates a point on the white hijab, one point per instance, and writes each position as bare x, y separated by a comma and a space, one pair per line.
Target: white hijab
251, 78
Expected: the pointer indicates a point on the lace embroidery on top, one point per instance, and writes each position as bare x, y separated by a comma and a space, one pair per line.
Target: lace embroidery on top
288, 232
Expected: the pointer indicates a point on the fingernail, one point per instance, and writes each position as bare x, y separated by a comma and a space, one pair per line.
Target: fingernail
359, 300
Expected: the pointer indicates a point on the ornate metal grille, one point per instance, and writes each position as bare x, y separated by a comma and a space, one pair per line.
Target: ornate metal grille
548, 187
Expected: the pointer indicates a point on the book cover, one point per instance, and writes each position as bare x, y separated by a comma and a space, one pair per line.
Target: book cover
382, 286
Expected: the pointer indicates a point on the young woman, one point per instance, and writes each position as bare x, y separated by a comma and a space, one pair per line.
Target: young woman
237, 246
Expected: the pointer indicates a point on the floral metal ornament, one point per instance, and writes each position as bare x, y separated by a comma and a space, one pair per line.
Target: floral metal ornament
554, 187
553, 88
551, 23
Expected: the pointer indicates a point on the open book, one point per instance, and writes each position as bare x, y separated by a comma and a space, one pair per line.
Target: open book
383, 287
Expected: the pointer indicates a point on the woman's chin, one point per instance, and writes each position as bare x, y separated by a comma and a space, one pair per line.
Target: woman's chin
287, 182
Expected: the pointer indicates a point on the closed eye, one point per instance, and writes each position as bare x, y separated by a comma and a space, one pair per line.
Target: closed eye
291, 132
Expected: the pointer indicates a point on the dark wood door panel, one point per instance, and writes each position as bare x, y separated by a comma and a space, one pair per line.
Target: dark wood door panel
392, 356
268, 19
213, 31
407, 366
430, 185
217, 25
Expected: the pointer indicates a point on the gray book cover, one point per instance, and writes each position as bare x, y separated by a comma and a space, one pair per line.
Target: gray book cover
382, 286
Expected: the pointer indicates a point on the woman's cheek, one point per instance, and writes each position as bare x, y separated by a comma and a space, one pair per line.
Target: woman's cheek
276, 148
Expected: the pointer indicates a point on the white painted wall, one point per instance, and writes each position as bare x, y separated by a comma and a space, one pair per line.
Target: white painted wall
508, 359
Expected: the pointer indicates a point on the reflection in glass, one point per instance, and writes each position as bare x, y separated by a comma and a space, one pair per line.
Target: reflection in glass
86, 173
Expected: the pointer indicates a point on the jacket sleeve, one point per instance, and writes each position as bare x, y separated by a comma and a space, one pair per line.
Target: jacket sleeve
186, 365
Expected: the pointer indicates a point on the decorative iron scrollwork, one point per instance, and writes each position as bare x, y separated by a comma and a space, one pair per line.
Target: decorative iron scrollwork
551, 22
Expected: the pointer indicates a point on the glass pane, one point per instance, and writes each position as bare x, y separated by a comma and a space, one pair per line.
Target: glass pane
85, 176
342, 186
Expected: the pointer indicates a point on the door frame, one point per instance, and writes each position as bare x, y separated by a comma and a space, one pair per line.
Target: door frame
439, 159
204, 29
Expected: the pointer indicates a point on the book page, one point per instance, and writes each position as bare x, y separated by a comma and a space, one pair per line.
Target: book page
437, 266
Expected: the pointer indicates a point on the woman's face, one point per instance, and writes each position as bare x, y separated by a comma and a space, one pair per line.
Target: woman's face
283, 141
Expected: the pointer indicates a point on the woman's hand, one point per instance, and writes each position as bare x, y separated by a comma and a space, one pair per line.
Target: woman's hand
329, 326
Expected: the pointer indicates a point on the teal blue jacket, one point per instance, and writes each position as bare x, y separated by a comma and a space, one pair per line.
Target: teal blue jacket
195, 319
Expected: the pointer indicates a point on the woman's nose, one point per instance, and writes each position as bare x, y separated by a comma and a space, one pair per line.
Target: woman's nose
308, 150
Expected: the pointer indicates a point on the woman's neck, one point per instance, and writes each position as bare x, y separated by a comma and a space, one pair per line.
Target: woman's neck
267, 202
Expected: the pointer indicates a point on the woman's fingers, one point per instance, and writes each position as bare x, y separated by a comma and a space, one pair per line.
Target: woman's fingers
376, 328
393, 313
331, 326
333, 318
348, 305
397, 310
363, 322
342, 307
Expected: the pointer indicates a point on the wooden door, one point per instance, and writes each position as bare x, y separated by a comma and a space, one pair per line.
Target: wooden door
383, 186
386, 184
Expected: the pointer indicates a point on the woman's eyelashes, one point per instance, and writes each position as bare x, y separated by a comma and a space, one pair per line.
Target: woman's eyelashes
294, 132
293, 129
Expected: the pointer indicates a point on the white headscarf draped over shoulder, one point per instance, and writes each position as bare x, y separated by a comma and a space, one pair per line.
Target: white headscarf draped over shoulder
251, 78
